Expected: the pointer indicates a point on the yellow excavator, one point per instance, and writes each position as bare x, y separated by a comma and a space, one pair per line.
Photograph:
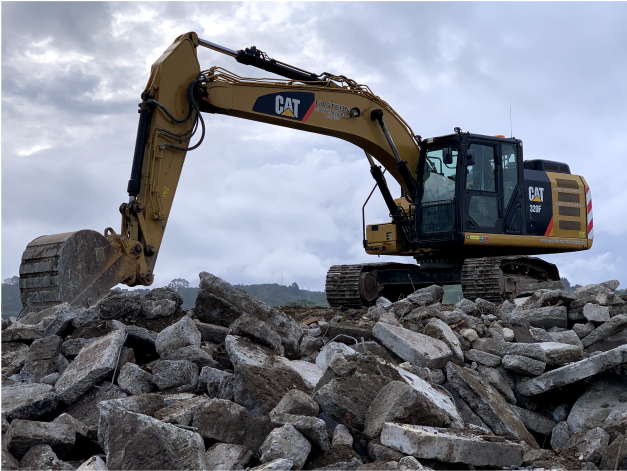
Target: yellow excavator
471, 210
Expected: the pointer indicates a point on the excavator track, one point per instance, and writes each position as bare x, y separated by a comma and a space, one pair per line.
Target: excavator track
482, 278
342, 286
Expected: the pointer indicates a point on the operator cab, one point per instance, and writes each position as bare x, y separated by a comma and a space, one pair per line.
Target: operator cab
469, 184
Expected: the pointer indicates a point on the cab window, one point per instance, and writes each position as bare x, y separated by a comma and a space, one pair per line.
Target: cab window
481, 175
439, 177
510, 172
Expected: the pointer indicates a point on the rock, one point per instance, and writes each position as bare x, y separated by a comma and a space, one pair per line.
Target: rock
342, 437
13, 357
71, 347
398, 402
450, 446
28, 401
260, 389
9, 461
62, 322
383, 302
296, 402
155, 309
380, 453
258, 331
331, 351
602, 405
350, 396
24, 434
523, 365
314, 429
134, 380
418, 349
498, 378
242, 351
482, 357
310, 345
94, 463
212, 333
289, 330
280, 464
403, 307
33, 318
590, 445
543, 317
163, 446
409, 463
178, 335
488, 404
616, 454
467, 307
425, 296
192, 353
568, 336
574, 372
43, 457
226, 456
93, 363
534, 422
606, 329
117, 304
608, 343
215, 383
181, 412
86, 410
439, 330
168, 374
560, 435
285, 442
594, 289
388, 318
18, 331
560, 353
596, 313
583, 330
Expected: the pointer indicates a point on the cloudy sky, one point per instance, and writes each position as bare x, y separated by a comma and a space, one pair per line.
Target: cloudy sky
257, 202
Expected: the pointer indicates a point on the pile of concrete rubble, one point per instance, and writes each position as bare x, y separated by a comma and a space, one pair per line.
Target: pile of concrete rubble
139, 383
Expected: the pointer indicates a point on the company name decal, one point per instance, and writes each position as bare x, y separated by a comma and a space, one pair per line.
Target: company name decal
536, 194
292, 105
332, 110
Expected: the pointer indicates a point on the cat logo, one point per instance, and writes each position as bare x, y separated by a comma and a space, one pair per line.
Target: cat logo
536, 194
292, 105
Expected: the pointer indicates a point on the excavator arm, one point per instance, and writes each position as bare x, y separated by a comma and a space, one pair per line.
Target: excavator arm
78, 267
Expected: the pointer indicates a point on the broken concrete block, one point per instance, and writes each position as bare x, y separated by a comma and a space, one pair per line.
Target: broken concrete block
94, 463
488, 404
86, 410
93, 363
382, 454
418, 349
260, 389
616, 454
9, 461
258, 331
602, 405
523, 365
583, 330
227, 456
425, 296
483, 358
341, 436
596, 313
350, 396
567, 336
178, 335
560, 353
590, 445
399, 402
310, 373
195, 354
612, 341
289, 330
71, 347
280, 464
215, 383
296, 402
560, 435
288, 443
242, 351
155, 309
606, 329
13, 357
181, 412
28, 401
24, 434
594, 289
212, 333
134, 380
168, 374
313, 428
544, 317
450, 446
574, 372
498, 378
117, 304
439, 330
43, 457
330, 351
409, 463
534, 422
18, 331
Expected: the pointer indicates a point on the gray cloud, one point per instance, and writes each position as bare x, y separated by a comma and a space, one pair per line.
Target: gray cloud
255, 200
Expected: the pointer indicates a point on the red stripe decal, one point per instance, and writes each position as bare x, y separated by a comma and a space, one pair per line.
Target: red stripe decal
549, 229
590, 225
589, 206
309, 111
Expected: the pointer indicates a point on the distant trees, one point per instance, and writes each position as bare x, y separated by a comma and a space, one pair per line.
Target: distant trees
178, 283
14, 280
565, 282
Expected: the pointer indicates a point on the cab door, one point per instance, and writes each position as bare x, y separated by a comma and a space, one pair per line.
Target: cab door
483, 208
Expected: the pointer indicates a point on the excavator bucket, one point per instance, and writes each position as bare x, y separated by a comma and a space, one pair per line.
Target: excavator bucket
74, 267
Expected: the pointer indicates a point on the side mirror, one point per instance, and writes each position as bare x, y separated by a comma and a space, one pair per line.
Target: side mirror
447, 156
470, 157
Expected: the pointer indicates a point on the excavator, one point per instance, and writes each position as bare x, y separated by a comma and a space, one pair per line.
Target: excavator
471, 210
